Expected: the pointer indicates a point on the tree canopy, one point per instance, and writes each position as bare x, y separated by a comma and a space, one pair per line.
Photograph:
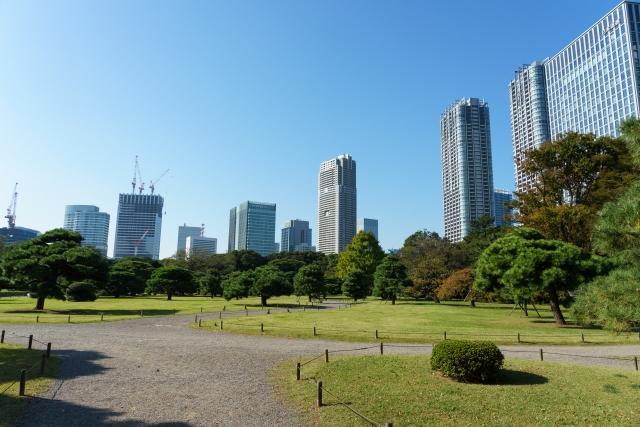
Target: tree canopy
390, 279
171, 280
528, 265
309, 281
270, 282
362, 254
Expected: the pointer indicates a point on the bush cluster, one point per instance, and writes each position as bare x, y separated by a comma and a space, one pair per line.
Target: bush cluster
467, 360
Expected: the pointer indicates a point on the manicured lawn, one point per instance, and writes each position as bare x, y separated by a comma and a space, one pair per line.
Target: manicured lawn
20, 309
421, 322
12, 359
403, 389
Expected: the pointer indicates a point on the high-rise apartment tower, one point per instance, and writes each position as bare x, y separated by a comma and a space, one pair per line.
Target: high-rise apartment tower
92, 225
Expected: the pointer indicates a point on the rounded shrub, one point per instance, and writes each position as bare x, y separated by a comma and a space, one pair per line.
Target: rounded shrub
467, 360
81, 291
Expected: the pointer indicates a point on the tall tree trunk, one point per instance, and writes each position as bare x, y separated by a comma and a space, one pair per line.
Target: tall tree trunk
526, 309
40, 302
393, 299
554, 303
169, 295
263, 300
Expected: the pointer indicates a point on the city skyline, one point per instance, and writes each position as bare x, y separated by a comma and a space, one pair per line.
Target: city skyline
131, 96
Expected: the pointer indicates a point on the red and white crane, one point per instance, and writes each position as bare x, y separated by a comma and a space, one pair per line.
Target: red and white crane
153, 183
137, 242
11, 210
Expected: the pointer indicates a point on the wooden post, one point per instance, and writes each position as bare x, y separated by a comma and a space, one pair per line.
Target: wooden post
2, 337
388, 424
23, 380
48, 350
220, 315
268, 311
381, 348
541, 355
30, 342
224, 308
288, 311
635, 360
314, 331
262, 327
200, 309
304, 308
245, 307
221, 325
141, 313
445, 335
69, 319
518, 337
38, 319
298, 372
200, 323
376, 334
582, 336
42, 363
326, 355
101, 317
319, 400
246, 312
196, 319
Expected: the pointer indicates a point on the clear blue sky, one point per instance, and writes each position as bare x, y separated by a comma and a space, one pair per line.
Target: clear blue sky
244, 99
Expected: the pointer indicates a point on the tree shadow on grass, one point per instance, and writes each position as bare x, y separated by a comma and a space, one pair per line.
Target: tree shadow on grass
96, 312
511, 377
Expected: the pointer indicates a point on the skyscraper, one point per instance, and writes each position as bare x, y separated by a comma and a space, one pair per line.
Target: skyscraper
368, 224
337, 204
503, 213
529, 116
200, 245
467, 173
296, 237
590, 86
138, 225
185, 231
92, 225
252, 226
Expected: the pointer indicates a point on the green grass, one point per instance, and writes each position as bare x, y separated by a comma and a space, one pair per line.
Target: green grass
405, 390
12, 359
20, 309
421, 322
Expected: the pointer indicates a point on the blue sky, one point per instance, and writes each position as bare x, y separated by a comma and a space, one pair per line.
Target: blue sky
242, 100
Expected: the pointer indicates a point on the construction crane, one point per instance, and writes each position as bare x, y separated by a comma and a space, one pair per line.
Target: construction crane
137, 242
137, 178
11, 210
153, 183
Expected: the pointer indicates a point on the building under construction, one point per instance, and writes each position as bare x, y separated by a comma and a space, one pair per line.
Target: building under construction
138, 225
13, 234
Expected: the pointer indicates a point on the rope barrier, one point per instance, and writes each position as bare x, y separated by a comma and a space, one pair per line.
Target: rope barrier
364, 417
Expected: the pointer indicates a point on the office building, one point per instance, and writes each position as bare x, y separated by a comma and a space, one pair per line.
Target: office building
200, 245
502, 211
296, 237
337, 204
185, 231
92, 225
529, 116
467, 174
138, 226
369, 225
590, 85
252, 226
15, 234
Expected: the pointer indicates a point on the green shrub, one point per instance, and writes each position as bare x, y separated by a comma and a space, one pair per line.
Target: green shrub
81, 291
467, 360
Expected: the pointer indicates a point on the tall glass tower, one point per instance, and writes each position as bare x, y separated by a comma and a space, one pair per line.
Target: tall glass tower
296, 237
252, 226
590, 86
337, 204
92, 225
138, 225
467, 172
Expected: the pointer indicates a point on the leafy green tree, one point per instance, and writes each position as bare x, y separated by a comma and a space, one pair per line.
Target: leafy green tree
270, 282
333, 283
81, 291
390, 279
575, 176
288, 266
483, 232
356, 285
45, 264
171, 280
128, 276
362, 254
309, 281
245, 260
614, 300
528, 265
237, 284
210, 283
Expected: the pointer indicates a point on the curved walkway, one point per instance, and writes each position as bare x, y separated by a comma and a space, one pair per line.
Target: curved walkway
158, 371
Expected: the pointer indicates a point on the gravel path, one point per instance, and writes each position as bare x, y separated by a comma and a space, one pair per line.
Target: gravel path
157, 371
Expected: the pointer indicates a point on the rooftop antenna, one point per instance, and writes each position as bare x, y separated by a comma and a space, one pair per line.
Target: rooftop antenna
11, 210
201, 230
